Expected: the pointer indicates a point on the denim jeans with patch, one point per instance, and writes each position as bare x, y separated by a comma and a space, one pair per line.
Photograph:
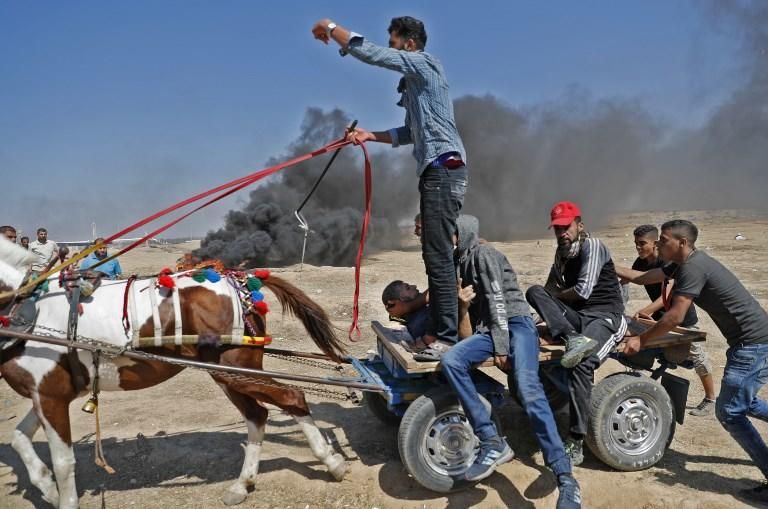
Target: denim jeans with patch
442, 196
746, 371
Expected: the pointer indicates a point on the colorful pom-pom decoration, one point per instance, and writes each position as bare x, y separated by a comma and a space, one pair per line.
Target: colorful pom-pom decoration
212, 276
261, 307
256, 296
166, 281
261, 274
199, 276
253, 284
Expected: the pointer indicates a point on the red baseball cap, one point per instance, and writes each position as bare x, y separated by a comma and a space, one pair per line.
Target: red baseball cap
563, 213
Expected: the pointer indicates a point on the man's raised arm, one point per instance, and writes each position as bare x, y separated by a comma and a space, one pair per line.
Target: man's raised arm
641, 278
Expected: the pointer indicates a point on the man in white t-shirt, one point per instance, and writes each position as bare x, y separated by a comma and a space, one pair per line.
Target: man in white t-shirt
44, 250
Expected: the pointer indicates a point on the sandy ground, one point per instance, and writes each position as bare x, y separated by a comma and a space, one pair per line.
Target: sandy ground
179, 444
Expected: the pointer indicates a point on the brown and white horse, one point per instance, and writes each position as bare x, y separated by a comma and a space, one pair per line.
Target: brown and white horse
42, 372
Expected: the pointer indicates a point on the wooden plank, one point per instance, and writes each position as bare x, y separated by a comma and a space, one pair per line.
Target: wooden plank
390, 339
679, 330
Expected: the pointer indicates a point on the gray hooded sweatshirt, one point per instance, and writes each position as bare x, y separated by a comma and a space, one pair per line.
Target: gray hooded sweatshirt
498, 295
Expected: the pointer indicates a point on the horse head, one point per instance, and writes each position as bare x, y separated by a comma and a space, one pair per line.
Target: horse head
15, 261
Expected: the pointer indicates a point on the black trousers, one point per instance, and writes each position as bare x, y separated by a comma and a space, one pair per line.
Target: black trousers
605, 328
442, 196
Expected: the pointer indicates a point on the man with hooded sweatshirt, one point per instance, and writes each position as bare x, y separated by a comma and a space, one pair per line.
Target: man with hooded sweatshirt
505, 331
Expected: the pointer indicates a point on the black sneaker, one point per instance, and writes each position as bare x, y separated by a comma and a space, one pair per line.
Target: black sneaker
574, 449
570, 492
757, 494
493, 453
706, 407
577, 347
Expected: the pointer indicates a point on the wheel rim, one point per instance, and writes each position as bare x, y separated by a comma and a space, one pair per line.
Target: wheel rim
635, 425
449, 445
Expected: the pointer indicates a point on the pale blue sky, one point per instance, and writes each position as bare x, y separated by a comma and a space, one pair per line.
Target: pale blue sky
109, 110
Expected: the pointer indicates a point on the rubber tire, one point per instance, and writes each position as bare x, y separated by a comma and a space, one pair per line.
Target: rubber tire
606, 396
419, 415
558, 400
377, 405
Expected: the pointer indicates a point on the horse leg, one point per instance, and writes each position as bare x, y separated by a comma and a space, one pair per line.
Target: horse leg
320, 447
39, 474
255, 419
55, 419
293, 402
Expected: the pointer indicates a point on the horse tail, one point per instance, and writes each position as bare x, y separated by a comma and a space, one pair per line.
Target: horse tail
311, 315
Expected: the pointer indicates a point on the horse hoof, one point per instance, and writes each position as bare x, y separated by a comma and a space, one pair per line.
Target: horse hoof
52, 497
234, 497
337, 467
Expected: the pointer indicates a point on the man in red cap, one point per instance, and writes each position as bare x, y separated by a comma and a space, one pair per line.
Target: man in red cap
582, 306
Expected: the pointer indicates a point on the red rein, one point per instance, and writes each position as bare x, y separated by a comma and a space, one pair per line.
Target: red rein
233, 186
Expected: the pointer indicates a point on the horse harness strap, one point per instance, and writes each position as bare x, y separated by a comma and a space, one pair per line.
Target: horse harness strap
158, 326
20, 316
78, 378
238, 325
177, 328
126, 296
241, 334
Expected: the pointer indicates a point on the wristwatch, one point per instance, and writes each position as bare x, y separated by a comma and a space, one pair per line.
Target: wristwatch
329, 28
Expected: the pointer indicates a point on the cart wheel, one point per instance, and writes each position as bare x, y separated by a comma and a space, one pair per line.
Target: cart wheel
631, 422
377, 405
436, 441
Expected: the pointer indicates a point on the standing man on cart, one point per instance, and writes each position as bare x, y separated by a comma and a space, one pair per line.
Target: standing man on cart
440, 158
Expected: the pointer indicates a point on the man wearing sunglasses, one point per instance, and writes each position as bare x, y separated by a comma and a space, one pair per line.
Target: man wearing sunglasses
410, 307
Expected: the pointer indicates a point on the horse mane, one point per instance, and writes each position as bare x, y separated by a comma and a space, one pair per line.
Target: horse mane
14, 262
311, 315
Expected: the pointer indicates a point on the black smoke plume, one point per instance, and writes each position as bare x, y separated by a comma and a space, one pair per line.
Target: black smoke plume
265, 231
609, 155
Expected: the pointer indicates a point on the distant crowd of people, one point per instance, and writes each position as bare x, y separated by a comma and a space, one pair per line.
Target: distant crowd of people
48, 254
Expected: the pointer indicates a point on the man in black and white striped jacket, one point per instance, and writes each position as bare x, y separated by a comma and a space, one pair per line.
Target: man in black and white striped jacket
582, 306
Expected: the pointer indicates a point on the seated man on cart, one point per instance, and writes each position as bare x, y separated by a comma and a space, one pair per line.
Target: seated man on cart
505, 331
582, 306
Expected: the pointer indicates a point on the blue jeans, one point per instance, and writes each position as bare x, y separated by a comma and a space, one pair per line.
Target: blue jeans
746, 371
524, 357
442, 196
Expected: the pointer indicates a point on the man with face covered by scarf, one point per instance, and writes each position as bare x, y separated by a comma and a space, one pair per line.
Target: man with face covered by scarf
582, 306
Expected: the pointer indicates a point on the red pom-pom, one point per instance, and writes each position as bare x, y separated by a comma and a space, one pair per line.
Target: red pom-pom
261, 307
166, 271
261, 274
166, 281
5, 321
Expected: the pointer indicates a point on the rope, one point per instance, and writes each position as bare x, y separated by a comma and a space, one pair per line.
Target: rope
354, 328
99, 459
225, 190
234, 185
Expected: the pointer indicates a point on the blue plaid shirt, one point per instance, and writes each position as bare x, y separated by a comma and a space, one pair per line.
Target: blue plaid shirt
429, 122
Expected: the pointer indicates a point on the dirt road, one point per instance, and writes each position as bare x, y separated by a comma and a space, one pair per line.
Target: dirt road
178, 445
